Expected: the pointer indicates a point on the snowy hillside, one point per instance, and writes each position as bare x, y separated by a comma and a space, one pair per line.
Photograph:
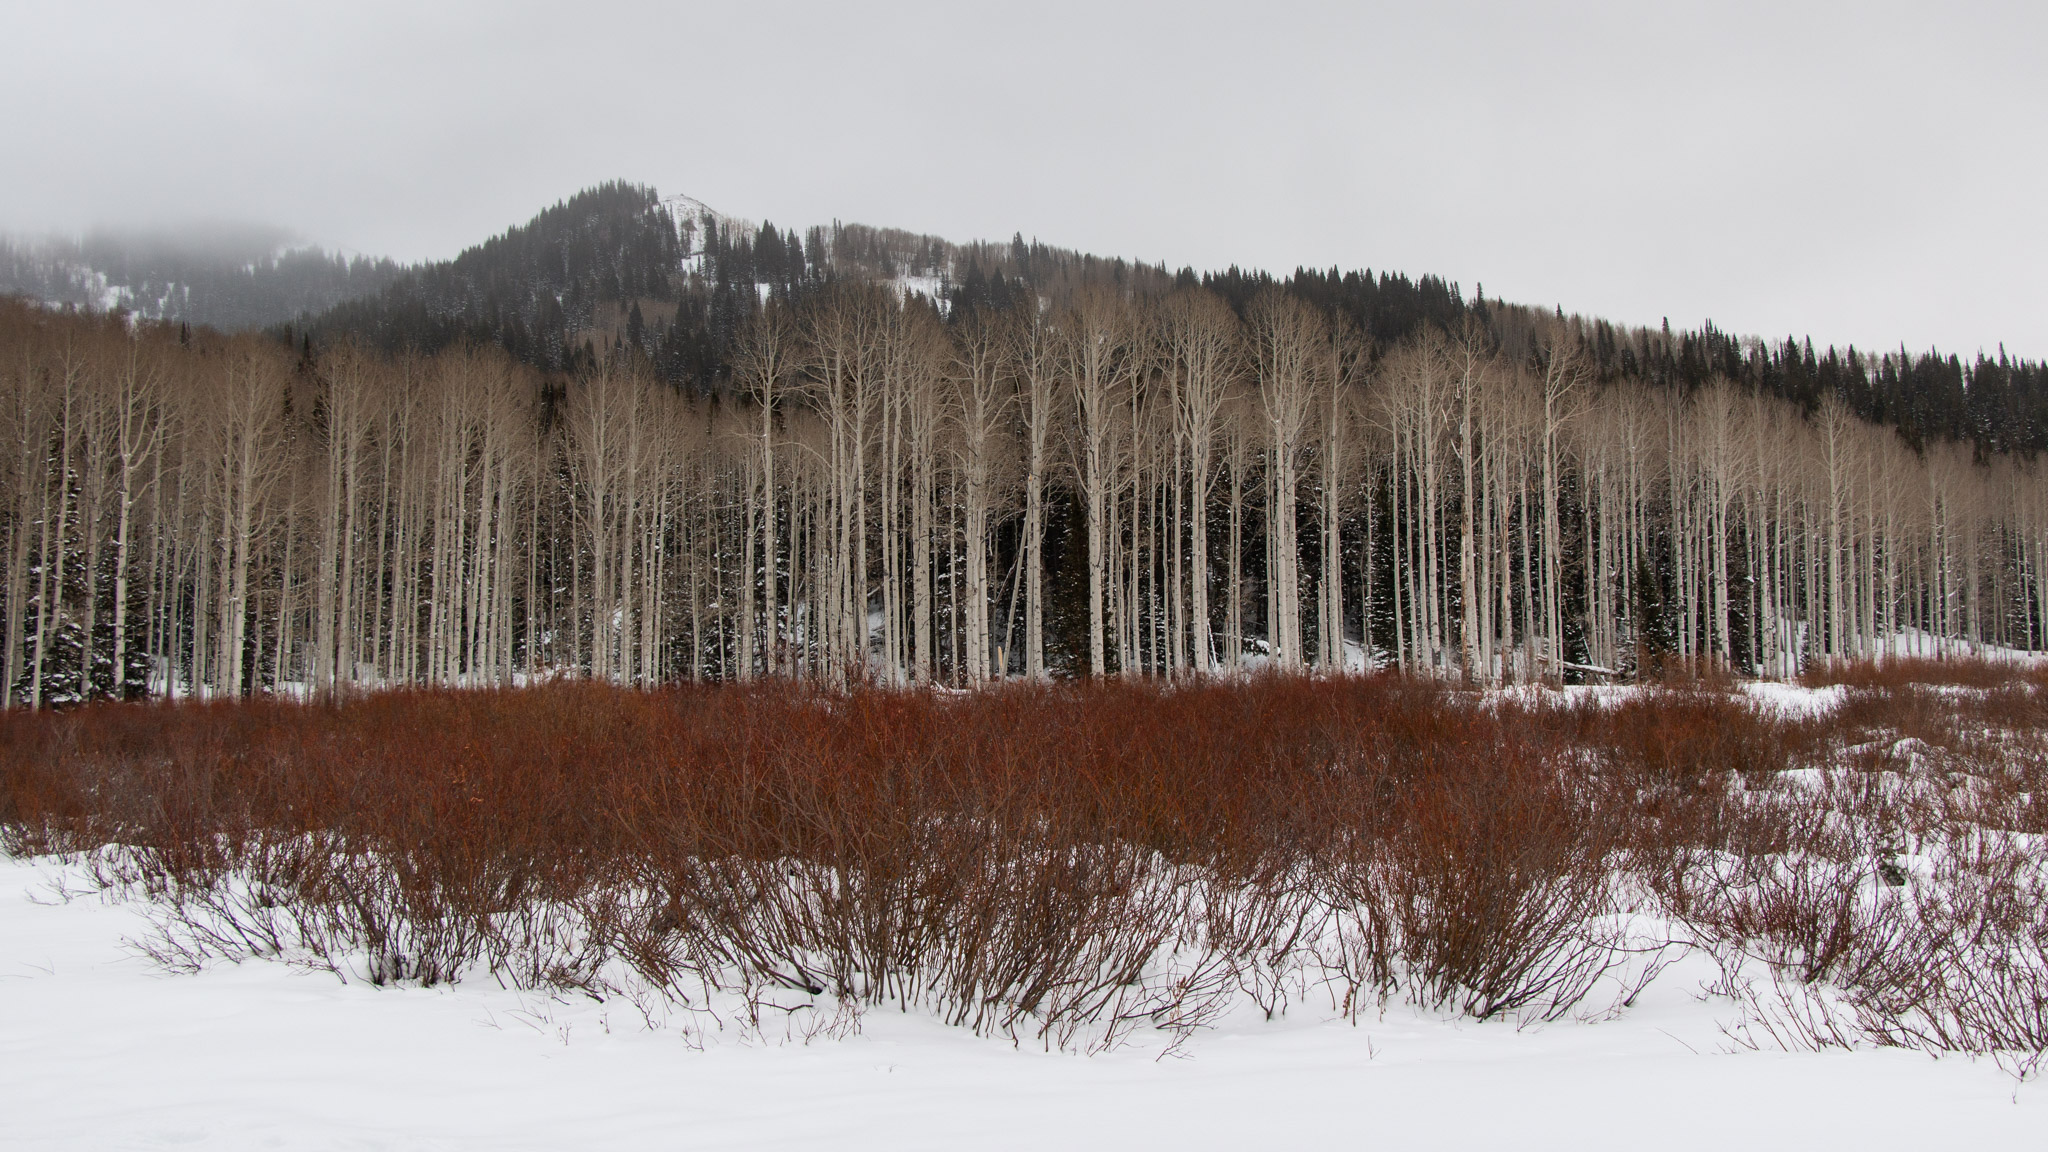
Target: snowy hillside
692, 219
233, 282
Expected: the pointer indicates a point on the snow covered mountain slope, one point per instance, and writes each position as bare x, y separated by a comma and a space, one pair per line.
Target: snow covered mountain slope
241, 282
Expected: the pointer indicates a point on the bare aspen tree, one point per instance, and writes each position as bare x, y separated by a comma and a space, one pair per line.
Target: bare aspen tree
1418, 399
766, 366
1833, 424
139, 425
1713, 417
1470, 365
1204, 364
1098, 366
1038, 359
27, 417
247, 418
980, 393
348, 413
52, 479
1240, 423
1563, 377
603, 420
1286, 338
844, 333
1338, 382
922, 352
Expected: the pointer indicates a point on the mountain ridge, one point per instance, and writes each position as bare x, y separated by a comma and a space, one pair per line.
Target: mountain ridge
621, 268
562, 292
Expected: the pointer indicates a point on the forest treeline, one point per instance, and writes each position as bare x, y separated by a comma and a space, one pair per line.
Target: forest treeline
618, 267
1120, 473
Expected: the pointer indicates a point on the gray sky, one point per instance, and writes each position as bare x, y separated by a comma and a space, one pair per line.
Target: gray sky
1868, 172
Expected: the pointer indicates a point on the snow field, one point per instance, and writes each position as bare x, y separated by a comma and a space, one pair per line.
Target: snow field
103, 1050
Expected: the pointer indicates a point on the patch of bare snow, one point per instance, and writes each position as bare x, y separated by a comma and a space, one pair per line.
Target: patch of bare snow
101, 1050
1793, 700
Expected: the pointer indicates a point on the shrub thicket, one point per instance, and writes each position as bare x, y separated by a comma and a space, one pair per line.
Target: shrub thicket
1063, 863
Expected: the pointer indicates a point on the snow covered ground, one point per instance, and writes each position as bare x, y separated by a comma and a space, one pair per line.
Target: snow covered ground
100, 1049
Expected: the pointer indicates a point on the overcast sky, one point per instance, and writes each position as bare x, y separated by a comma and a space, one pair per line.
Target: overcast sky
1865, 172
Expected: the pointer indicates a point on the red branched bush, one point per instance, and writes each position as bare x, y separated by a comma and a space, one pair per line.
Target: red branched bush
1066, 862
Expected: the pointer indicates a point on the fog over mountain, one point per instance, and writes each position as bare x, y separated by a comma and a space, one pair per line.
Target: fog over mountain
1861, 173
228, 276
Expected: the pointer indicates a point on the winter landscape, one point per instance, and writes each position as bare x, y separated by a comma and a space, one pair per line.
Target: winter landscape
769, 917
534, 667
